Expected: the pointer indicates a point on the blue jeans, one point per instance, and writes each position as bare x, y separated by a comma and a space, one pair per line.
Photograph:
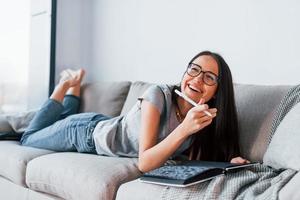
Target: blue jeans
57, 127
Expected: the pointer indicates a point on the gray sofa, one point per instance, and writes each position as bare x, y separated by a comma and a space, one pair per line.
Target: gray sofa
30, 173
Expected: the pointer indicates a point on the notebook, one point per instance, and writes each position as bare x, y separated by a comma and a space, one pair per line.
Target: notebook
187, 173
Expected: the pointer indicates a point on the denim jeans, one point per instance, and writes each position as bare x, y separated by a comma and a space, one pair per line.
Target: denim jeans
57, 127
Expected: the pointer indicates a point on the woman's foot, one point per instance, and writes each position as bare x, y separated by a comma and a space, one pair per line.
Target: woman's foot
72, 77
69, 83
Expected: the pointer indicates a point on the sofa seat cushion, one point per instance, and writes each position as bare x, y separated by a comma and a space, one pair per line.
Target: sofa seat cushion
80, 176
141, 191
14, 159
12, 191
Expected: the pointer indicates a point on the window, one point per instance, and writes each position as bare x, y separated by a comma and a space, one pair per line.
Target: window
25, 38
14, 54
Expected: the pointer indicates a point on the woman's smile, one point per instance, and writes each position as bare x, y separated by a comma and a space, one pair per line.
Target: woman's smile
194, 88
194, 91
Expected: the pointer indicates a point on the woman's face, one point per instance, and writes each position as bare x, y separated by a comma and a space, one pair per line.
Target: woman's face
195, 87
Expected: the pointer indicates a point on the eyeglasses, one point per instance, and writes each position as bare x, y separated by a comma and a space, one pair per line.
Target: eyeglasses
208, 77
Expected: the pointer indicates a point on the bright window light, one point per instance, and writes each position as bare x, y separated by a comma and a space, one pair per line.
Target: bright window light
14, 54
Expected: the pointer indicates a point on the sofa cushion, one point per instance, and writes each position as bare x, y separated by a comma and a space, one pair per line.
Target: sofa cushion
135, 91
80, 176
291, 189
256, 106
140, 190
20, 121
283, 151
14, 159
12, 191
104, 97
4, 124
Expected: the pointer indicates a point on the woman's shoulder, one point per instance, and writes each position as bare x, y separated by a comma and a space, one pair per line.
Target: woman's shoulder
158, 94
165, 89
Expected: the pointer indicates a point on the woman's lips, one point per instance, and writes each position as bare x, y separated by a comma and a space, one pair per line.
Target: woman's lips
194, 89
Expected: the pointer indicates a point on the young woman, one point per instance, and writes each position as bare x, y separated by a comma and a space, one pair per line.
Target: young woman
161, 125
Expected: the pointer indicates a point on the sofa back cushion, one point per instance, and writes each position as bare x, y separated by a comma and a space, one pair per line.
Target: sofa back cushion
256, 106
104, 97
135, 91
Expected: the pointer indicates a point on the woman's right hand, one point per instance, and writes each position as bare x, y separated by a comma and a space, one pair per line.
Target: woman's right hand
196, 119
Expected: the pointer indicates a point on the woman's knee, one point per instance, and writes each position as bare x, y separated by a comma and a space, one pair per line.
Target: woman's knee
24, 138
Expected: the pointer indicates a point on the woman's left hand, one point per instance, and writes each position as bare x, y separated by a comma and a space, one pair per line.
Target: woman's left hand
239, 160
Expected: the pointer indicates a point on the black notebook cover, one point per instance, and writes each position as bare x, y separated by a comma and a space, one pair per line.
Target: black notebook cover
188, 173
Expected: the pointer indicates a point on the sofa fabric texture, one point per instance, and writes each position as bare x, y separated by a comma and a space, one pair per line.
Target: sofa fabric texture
256, 106
283, 151
12, 191
106, 97
136, 90
19, 121
291, 190
150, 191
4, 124
80, 176
14, 159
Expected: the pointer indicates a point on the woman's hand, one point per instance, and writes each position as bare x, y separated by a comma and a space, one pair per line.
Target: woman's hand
196, 119
239, 160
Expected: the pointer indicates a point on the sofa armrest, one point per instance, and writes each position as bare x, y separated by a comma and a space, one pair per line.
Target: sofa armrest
291, 189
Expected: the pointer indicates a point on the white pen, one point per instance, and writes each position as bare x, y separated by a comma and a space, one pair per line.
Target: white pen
191, 101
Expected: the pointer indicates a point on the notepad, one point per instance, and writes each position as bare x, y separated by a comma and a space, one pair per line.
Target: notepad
188, 173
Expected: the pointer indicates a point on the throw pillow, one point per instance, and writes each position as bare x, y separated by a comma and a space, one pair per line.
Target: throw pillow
284, 149
20, 121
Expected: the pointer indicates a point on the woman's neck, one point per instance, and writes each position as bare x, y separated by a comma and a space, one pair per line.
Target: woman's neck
183, 106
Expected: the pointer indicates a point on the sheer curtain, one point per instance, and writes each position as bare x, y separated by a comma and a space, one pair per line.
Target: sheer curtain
14, 54
25, 38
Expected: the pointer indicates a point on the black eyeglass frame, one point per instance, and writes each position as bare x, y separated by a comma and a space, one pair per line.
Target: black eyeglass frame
201, 71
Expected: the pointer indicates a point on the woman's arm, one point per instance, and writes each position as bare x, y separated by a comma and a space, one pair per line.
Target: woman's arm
153, 154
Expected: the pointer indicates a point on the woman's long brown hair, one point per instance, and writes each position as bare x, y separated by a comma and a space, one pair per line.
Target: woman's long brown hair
220, 140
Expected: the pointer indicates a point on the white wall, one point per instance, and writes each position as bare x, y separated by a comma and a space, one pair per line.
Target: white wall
74, 35
154, 40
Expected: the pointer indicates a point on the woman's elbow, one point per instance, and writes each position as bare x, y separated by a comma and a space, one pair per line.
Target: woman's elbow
142, 166
145, 164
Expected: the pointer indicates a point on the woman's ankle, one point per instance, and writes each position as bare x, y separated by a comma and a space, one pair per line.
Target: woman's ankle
60, 91
75, 91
